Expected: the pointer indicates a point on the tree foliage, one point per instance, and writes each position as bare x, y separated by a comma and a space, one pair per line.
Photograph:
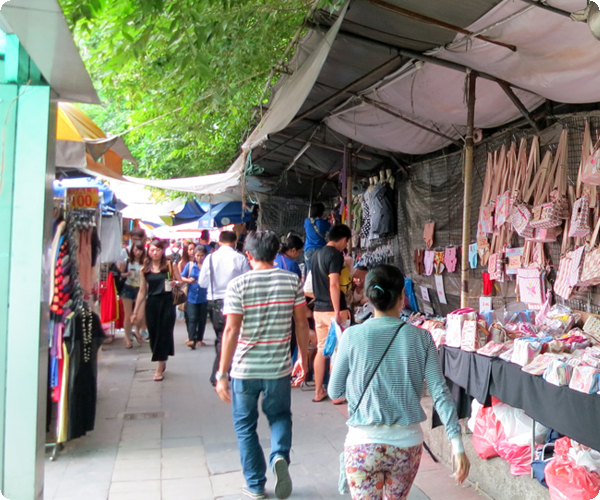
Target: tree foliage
210, 57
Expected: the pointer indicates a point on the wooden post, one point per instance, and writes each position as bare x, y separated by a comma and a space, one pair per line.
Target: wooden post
468, 180
348, 162
312, 194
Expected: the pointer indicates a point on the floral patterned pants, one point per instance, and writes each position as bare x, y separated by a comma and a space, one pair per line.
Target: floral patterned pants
381, 471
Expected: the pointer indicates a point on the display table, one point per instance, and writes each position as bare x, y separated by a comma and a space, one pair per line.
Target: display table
569, 412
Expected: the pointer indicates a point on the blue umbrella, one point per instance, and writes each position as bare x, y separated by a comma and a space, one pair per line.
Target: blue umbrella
190, 211
223, 214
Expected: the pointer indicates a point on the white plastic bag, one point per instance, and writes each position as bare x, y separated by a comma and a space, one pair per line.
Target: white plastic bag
517, 425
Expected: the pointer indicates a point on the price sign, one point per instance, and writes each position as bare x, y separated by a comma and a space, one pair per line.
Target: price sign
83, 197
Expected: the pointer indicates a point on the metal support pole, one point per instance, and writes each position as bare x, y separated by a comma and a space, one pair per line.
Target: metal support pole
520, 106
312, 194
468, 180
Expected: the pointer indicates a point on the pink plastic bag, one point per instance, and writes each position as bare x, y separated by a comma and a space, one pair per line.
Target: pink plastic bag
519, 457
487, 432
567, 481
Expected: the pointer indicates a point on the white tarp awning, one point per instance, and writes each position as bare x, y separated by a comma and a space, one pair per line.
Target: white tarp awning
556, 59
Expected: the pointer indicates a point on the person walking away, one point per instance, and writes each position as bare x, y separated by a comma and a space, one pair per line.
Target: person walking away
197, 303
288, 253
380, 369
131, 270
205, 240
330, 304
259, 307
218, 270
316, 229
156, 282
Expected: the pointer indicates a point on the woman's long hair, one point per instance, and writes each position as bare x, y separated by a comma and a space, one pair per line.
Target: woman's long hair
140, 246
185, 255
164, 263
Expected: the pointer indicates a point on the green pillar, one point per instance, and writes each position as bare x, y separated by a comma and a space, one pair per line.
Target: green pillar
25, 231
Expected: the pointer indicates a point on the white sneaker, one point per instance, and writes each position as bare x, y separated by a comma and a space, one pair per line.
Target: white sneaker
283, 481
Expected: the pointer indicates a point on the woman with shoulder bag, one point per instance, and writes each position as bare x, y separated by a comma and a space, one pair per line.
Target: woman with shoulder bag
196, 307
316, 229
380, 369
157, 279
131, 271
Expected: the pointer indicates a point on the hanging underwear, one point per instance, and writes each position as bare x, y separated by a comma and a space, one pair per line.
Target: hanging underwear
438, 262
419, 267
473, 256
428, 234
450, 259
483, 249
488, 284
428, 262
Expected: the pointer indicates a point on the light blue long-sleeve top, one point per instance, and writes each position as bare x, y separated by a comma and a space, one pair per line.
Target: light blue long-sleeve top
394, 394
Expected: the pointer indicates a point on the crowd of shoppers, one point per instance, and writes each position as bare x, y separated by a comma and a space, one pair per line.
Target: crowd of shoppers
254, 292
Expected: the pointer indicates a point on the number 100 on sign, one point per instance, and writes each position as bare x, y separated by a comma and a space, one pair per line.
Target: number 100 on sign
83, 197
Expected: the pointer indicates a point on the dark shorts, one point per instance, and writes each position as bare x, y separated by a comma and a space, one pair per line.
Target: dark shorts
129, 292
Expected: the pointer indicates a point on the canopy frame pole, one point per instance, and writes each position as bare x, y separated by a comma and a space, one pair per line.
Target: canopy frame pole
468, 181
436, 22
382, 68
520, 106
549, 8
385, 109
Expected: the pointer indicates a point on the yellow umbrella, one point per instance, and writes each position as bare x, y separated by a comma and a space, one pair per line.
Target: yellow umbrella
81, 144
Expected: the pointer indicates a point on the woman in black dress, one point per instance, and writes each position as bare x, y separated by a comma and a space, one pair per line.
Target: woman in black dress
156, 281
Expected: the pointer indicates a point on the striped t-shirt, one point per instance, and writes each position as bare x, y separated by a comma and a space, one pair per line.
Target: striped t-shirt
266, 299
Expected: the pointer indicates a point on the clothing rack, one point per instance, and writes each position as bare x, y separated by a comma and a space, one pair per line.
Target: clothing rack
69, 305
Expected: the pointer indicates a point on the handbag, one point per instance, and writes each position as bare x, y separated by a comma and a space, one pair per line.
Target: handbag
590, 272
178, 290
454, 325
531, 286
342, 481
591, 169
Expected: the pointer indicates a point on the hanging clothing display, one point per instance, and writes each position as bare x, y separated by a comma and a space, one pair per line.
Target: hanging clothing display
83, 338
111, 231
75, 332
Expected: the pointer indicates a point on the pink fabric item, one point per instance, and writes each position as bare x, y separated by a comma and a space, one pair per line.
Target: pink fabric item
428, 261
450, 259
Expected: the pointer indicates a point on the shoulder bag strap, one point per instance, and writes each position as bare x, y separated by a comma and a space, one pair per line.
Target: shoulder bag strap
377, 367
312, 222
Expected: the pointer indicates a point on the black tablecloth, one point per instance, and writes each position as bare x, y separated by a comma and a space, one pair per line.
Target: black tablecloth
569, 412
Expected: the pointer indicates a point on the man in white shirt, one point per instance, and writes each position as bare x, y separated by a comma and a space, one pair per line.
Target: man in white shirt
218, 269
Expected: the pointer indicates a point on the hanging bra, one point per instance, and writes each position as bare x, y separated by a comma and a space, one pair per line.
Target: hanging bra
428, 234
450, 259
419, 267
473, 255
428, 262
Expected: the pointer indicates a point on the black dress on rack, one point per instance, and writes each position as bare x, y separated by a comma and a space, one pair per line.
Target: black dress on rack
160, 317
83, 337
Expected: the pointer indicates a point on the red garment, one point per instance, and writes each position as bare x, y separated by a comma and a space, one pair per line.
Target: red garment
488, 284
120, 322
108, 302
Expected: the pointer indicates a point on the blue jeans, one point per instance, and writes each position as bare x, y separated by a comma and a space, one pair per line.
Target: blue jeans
307, 256
276, 404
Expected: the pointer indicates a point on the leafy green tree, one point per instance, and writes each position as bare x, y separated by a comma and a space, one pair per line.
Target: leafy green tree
211, 58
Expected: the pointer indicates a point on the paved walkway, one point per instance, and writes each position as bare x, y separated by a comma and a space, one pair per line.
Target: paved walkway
174, 440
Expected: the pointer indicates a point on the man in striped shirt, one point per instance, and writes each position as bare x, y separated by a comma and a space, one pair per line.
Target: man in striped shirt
259, 306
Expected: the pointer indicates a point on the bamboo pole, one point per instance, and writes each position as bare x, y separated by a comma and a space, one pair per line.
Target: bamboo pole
468, 180
348, 153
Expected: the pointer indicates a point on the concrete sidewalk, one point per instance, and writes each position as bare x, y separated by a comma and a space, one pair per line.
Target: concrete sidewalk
175, 439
